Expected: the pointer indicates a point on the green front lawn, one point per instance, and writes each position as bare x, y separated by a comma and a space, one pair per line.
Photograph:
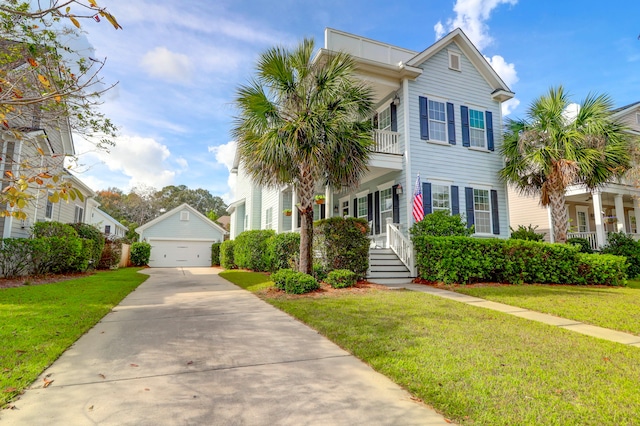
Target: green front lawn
474, 365
38, 323
617, 308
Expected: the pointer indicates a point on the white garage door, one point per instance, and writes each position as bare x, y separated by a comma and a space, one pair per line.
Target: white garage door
171, 253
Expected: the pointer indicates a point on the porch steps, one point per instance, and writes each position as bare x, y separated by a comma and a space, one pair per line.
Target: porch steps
385, 268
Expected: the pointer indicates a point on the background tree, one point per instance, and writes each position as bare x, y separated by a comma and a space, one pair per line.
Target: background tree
200, 199
305, 124
551, 150
45, 84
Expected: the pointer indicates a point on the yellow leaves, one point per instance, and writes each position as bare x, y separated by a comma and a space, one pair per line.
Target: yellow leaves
112, 20
58, 98
43, 80
54, 197
93, 3
74, 21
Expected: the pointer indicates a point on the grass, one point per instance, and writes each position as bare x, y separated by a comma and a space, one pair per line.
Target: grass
253, 281
38, 323
474, 365
617, 308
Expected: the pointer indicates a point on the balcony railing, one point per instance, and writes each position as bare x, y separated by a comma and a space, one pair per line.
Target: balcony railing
589, 236
387, 141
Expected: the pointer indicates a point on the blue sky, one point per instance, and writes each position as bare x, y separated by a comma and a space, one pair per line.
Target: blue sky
178, 64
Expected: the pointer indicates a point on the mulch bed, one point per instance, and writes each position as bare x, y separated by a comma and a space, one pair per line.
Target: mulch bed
40, 279
361, 287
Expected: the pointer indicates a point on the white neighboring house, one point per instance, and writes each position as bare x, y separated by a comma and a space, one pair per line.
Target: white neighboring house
438, 114
104, 222
613, 208
181, 237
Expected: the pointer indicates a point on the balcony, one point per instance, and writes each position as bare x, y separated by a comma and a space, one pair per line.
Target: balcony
387, 142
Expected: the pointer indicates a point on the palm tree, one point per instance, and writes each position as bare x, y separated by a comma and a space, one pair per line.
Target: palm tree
304, 122
551, 150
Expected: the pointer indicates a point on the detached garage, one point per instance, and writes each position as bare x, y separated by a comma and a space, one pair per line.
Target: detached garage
181, 237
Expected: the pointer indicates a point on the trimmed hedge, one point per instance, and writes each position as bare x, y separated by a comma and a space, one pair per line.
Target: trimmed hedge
343, 243
227, 254
15, 256
466, 260
215, 254
341, 278
251, 250
622, 244
280, 278
293, 282
140, 253
284, 250
441, 224
90, 232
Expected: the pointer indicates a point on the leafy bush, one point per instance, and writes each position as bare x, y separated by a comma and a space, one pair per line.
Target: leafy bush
341, 278
342, 243
280, 278
300, 283
529, 233
90, 232
441, 224
466, 260
53, 229
318, 272
55, 254
622, 244
227, 249
140, 253
15, 256
85, 257
583, 244
111, 254
215, 254
284, 250
251, 250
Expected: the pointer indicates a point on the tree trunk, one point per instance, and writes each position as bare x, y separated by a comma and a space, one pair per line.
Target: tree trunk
306, 241
559, 216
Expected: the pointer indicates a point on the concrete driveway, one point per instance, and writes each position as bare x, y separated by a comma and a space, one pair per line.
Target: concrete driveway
189, 348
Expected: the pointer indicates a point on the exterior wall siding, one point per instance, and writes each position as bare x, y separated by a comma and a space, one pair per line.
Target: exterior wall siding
173, 227
526, 210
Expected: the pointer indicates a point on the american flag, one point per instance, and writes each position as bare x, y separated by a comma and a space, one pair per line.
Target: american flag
418, 210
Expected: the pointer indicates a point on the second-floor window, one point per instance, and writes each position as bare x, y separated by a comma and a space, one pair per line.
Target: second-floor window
437, 121
476, 128
382, 121
107, 229
48, 210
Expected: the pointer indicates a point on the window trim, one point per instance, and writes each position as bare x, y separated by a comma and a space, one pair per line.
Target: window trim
268, 218
475, 210
48, 204
75, 214
383, 223
443, 185
344, 206
365, 204
484, 147
433, 121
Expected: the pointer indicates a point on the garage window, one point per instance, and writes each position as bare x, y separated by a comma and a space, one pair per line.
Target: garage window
184, 215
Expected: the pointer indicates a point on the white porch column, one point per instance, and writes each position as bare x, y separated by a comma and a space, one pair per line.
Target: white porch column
328, 202
294, 209
597, 214
636, 212
619, 206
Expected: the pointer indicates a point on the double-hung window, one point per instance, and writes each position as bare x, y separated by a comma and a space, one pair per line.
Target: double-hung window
482, 211
386, 207
383, 121
440, 198
437, 121
363, 207
268, 220
477, 128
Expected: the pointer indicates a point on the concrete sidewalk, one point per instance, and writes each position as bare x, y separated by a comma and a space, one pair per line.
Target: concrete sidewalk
578, 327
189, 348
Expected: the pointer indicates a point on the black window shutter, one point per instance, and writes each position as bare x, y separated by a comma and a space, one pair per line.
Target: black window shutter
395, 198
424, 119
489, 118
394, 118
464, 117
426, 198
451, 123
355, 207
376, 198
370, 211
298, 217
455, 200
323, 211
495, 213
468, 199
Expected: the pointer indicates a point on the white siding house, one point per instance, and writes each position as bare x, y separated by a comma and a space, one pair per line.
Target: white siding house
104, 222
181, 237
438, 115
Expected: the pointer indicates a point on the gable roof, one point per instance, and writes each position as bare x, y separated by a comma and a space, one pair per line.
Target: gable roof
624, 109
500, 89
181, 207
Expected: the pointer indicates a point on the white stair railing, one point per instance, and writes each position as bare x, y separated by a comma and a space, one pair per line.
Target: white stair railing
401, 246
589, 236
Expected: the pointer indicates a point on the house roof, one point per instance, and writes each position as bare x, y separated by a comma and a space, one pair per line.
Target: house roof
78, 183
110, 218
181, 207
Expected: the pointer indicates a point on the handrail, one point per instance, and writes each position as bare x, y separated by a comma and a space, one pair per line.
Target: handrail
387, 141
401, 246
589, 236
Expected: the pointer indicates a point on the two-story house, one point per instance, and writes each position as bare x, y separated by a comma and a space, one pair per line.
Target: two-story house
438, 115
613, 208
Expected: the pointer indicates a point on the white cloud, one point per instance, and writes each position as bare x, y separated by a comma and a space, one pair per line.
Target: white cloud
506, 71
225, 154
166, 65
509, 106
471, 17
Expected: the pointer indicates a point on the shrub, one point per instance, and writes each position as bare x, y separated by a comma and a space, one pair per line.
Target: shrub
621, 244
300, 283
111, 254
318, 272
529, 233
140, 253
215, 254
583, 244
55, 254
53, 229
441, 224
602, 269
251, 250
343, 243
341, 278
15, 256
284, 250
280, 278
90, 232
226, 254
85, 256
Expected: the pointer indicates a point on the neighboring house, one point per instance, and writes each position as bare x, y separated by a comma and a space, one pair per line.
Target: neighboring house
613, 208
181, 237
101, 220
438, 114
